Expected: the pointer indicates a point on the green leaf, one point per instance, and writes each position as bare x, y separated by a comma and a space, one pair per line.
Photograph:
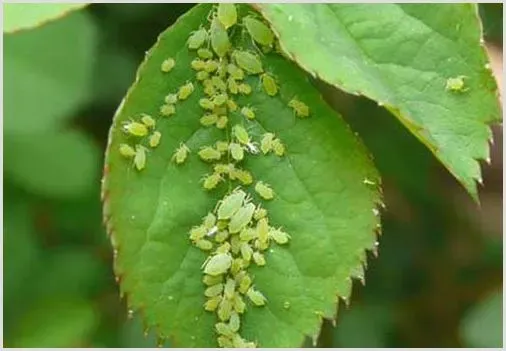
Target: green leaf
321, 200
59, 164
401, 57
48, 73
26, 16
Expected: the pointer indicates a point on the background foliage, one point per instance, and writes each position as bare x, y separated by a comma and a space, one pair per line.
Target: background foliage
437, 281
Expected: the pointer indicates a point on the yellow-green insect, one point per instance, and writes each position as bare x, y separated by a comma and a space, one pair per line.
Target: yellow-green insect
212, 304
204, 245
258, 258
258, 31
279, 236
227, 14
222, 122
218, 264
140, 157
229, 289
219, 83
181, 154
241, 134
269, 84
233, 87
211, 181
264, 190
235, 322
235, 72
236, 151
212, 280
248, 234
266, 142
224, 248
214, 290
198, 65
148, 121
244, 176
300, 108
221, 236
239, 305
220, 99
222, 146
209, 88
208, 120
232, 106
219, 38
167, 110
260, 213
456, 84
170, 99
246, 251
225, 309
256, 297
210, 66
168, 65
204, 53
248, 112
126, 150
202, 75
154, 139
248, 61
278, 147
244, 88
206, 104
209, 221
241, 218
198, 38
198, 233
185, 91
135, 129
223, 329
245, 284
231, 204
262, 230
208, 153
225, 342
237, 265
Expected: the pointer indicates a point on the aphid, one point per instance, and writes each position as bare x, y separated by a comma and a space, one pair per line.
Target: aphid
223, 329
231, 204
204, 245
198, 38
222, 122
239, 305
225, 342
225, 309
241, 134
219, 38
235, 72
286, 304
206, 104
456, 84
261, 245
135, 129
209, 221
224, 248
259, 258
279, 236
212, 280
244, 284
248, 112
209, 89
259, 213
227, 14
236, 151
237, 265
233, 87
244, 176
185, 91
218, 264
212, 304
269, 84
214, 290
140, 157
211, 181
278, 147
167, 110
246, 251
154, 139
126, 150
220, 99
266, 143
222, 146
248, 61
148, 121
181, 153
168, 65
221, 236
258, 31
256, 297
229, 288
197, 233
211, 66
236, 247
264, 190
234, 323
300, 108
241, 218
244, 88
198, 65
232, 106
202, 75
219, 83
170, 99
208, 120
263, 230
220, 110
208, 153
248, 234
204, 53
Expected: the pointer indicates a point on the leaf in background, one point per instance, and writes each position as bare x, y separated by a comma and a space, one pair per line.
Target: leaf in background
401, 56
57, 164
26, 16
322, 201
47, 74
483, 324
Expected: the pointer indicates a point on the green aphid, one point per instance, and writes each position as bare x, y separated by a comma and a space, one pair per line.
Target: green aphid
256, 297
261, 245
205, 54
168, 65
126, 150
301, 109
279, 236
219, 38
214, 290
170, 99
225, 342
221, 168
235, 322
198, 233
211, 66
241, 218
248, 112
211, 181
258, 258
202, 75
236, 151
244, 88
220, 110
262, 230
209, 89
140, 157
286, 304
206, 104
242, 175
264, 190
209, 221
208, 120
218, 264
456, 84
222, 146
198, 65
208, 153
235, 243
241, 134
223, 329
258, 31
235, 72
232, 106
148, 121
278, 147
266, 142
269, 84
222, 122
248, 61
135, 129
227, 14
248, 234
225, 310
212, 304
220, 99
155, 138
204, 245
229, 289
244, 284
246, 251
219, 83
197, 38
210, 280
224, 248
231, 204
237, 266
167, 110
233, 87
259, 213
239, 305
185, 91
181, 154
221, 236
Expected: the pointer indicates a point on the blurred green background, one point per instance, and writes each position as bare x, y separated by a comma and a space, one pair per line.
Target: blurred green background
437, 281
